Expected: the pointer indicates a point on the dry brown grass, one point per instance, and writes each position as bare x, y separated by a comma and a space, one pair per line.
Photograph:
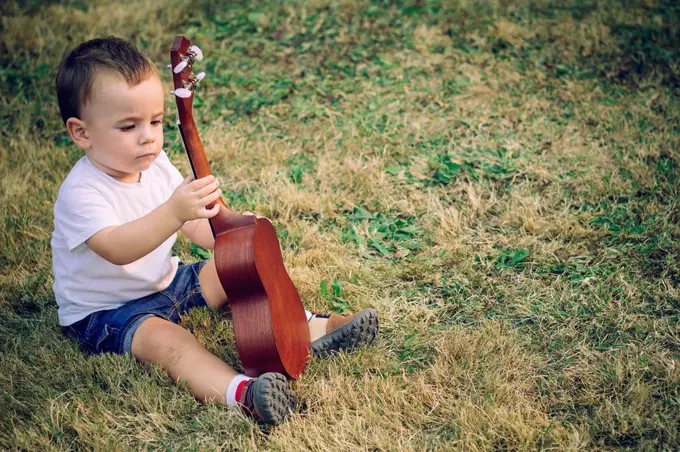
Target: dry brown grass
566, 133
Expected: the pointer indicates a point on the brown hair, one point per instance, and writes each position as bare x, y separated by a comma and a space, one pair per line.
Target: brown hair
79, 67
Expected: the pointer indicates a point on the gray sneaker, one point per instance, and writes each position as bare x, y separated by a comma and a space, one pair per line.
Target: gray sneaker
268, 398
346, 332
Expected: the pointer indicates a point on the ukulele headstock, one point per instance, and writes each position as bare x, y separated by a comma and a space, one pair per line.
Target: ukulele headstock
182, 58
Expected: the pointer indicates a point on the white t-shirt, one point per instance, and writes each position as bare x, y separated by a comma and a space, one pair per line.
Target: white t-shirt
89, 200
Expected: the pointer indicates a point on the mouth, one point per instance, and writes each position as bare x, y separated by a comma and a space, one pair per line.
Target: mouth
147, 155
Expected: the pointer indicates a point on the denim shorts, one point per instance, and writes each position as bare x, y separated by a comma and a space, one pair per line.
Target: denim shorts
112, 330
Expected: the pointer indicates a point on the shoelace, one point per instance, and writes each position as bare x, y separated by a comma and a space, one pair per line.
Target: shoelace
316, 314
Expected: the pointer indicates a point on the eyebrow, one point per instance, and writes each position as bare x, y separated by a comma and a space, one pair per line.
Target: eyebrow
133, 117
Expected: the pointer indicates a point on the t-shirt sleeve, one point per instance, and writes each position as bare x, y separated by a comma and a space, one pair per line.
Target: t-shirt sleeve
80, 212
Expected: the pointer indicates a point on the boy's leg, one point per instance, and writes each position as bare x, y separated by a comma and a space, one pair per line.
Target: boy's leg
211, 286
268, 398
184, 358
328, 333
216, 298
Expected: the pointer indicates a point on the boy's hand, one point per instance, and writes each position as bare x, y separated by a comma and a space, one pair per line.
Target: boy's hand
251, 213
190, 198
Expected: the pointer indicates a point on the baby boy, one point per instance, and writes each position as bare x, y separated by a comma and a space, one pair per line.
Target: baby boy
116, 218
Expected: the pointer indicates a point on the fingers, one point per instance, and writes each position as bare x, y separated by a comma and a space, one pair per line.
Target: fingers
210, 197
202, 182
209, 213
252, 214
206, 190
188, 202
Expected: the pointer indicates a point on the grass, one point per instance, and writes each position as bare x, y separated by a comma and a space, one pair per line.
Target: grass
499, 179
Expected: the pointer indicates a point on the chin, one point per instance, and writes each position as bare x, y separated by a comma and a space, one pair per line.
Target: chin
146, 165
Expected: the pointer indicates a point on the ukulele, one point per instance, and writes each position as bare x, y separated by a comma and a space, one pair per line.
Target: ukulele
270, 325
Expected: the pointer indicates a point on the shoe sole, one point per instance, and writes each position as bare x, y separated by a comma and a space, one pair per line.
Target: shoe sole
362, 330
273, 398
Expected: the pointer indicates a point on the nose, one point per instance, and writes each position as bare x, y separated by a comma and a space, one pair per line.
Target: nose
146, 136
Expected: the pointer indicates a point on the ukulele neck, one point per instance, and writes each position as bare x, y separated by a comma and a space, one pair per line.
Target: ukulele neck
226, 219
194, 149
182, 57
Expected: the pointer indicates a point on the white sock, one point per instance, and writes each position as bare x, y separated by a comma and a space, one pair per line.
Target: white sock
233, 386
309, 315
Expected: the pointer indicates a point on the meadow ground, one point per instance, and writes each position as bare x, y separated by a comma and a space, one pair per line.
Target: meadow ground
500, 179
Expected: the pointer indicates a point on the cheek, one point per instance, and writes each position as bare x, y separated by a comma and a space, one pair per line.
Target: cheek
124, 140
106, 137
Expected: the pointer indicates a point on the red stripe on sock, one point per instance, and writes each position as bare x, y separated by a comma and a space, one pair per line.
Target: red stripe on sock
239, 390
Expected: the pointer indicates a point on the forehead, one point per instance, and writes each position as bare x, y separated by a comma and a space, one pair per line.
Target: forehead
112, 94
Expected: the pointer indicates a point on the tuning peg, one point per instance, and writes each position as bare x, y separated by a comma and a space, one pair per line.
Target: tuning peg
181, 92
198, 55
200, 76
180, 67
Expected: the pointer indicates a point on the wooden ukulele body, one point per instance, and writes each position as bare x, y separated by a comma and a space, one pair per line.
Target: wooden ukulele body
270, 324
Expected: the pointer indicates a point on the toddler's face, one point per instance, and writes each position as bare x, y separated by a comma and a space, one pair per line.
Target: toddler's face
124, 125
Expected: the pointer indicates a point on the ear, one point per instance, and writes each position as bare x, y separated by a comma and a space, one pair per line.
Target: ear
77, 130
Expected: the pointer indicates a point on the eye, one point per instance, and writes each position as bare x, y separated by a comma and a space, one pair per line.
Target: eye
127, 128
156, 122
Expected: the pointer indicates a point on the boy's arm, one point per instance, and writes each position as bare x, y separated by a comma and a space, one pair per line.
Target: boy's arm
131, 241
200, 233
